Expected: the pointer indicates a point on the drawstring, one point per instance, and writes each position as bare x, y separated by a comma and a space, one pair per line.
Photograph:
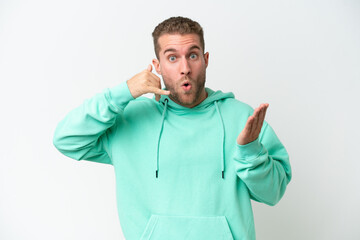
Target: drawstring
222, 140
158, 143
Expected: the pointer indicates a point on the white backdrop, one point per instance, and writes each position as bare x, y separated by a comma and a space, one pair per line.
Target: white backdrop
302, 57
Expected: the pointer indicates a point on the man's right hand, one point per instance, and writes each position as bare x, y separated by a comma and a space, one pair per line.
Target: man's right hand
146, 82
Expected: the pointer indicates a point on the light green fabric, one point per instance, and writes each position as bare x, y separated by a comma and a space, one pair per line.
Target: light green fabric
179, 172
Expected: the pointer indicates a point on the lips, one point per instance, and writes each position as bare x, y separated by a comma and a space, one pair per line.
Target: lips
186, 85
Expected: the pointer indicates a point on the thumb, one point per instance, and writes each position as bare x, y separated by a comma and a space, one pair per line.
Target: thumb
149, 68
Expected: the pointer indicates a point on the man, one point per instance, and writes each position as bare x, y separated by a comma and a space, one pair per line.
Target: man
187, 162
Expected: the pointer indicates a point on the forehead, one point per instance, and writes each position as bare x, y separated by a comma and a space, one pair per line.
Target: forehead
178, 41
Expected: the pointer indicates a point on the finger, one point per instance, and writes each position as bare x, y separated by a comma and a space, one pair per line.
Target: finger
261, 110
256, 119
249, 125
262, 116
153, 80
261, 119
245, 135
158, 95
159, 91
156, 80
149, 68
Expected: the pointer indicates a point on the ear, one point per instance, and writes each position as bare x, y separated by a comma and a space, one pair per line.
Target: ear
206, 58
156, 64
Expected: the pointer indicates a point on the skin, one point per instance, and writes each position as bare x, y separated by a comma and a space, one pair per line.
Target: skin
253, 125
181, 59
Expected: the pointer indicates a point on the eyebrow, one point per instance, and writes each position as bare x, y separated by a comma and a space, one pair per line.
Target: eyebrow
174, 50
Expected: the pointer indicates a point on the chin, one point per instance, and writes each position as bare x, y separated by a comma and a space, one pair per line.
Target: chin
182, 100
189, 102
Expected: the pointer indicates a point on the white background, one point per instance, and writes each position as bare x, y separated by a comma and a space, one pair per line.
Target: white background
302, 57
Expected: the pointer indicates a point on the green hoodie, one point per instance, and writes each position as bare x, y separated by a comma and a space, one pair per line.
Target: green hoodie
180, 173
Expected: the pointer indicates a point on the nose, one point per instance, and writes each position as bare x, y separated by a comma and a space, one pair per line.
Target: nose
185, 67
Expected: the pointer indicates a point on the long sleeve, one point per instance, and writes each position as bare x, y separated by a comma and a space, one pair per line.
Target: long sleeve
83, 133
263, 165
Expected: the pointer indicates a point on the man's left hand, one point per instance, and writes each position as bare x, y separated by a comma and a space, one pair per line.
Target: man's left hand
253, 125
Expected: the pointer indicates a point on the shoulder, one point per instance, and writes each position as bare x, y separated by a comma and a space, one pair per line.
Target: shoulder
227, 100
236, 105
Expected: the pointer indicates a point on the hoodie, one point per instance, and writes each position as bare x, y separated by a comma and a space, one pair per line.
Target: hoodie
179, 171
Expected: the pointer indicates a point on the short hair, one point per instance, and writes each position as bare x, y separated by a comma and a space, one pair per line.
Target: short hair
177, 25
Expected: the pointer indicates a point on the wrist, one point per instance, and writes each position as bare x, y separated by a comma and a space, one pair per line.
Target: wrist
244, 141
119, 96
132, 89
250, 150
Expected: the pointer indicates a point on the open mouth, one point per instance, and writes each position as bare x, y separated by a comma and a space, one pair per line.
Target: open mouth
186, 86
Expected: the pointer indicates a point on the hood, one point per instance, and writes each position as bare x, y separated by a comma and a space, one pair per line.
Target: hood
165, 103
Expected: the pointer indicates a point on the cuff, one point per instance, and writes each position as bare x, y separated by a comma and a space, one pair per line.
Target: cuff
249, 151
119, 96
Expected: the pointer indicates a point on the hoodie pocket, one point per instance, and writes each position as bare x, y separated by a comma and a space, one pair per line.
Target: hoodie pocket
186, 227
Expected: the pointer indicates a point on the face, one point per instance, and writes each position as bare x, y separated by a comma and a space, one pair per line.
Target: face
182, 65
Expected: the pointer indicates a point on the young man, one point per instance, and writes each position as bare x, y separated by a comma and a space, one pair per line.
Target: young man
188, 161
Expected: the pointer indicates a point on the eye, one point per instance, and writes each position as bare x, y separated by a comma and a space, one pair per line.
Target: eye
172, 58
193, 56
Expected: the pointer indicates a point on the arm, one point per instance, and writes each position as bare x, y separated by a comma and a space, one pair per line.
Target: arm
84, 133
263, 163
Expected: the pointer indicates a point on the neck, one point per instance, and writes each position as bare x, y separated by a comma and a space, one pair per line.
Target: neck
202, 97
